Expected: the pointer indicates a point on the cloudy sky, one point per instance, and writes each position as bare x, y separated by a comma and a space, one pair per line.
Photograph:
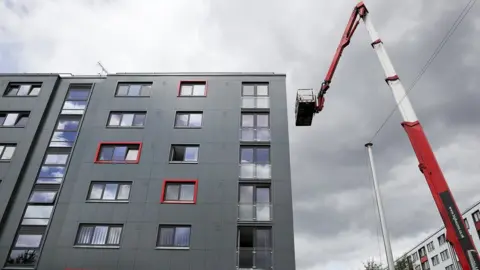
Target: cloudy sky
335, 220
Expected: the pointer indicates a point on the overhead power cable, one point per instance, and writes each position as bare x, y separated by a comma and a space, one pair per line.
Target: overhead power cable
439, 48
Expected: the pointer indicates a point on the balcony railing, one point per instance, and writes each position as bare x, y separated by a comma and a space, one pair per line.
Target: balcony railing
255, 134
254, 212
255, 171
255, 102
251, 258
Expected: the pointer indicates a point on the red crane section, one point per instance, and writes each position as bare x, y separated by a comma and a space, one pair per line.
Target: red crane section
308, 103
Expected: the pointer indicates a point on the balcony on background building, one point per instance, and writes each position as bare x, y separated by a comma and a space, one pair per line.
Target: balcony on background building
255, 171
252, 102
258, 134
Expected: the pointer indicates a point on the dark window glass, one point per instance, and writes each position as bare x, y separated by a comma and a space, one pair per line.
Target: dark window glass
23, 89
182, 153
99, 235
193, 89
134, 89
139, 120
118, 119
188, 120
179, 191
78, 94
247, 155
7, 151
173, 236
52, 171
119, 153
42, 197
67, 124
257, 155
23, 257
14, 119
109, 191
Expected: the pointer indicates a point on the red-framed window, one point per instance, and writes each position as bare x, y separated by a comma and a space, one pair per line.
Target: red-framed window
179, 191
192, 89
118, 152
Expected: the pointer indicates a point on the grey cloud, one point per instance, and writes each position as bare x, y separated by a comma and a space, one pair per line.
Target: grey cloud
329, 166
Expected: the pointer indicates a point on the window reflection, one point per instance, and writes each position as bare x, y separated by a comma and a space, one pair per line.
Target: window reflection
22, 257
37, 215
42, 197
50, 171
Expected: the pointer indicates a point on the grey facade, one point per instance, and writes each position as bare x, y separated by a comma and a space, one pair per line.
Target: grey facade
90, 188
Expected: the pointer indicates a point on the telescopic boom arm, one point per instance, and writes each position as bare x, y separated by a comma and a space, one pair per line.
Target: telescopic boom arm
307, 105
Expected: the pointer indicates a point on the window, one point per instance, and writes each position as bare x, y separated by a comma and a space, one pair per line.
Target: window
188, 119
37, 215
422, 252
76, 101
65, 132
254, 202
179, 191
465, 220
42, 197
255, 96
7, 151
444, 255
255, 127
254, 247
13, 119
449, 267
476, 216
425, 265
25, 250
430, 247
173, 236
435, 260
133, 90
53, 167
109, 191
126, 119
415, 257
118, 153
184, 153
195, 89
255, 162
99, 235
441, 239
23, 89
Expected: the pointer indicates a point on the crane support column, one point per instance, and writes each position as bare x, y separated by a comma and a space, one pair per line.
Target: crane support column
456, 230
378, 197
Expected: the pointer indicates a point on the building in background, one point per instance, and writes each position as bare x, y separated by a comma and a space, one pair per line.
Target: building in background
145, 171
435, 253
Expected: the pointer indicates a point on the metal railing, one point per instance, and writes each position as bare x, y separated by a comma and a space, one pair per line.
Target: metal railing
255, 171
254, 259
255, 134
254, 212
251, 102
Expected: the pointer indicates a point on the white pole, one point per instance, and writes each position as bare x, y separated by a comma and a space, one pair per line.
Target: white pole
386, 237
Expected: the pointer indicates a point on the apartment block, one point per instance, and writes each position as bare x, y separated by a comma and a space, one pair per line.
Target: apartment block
435, 253
173, 171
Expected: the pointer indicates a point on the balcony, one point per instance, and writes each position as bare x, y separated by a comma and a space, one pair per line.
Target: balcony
254, 212
254, 259
255, 171
252, 102
255, 134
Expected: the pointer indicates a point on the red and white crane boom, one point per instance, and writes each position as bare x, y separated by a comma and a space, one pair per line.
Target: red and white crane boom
308, 103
